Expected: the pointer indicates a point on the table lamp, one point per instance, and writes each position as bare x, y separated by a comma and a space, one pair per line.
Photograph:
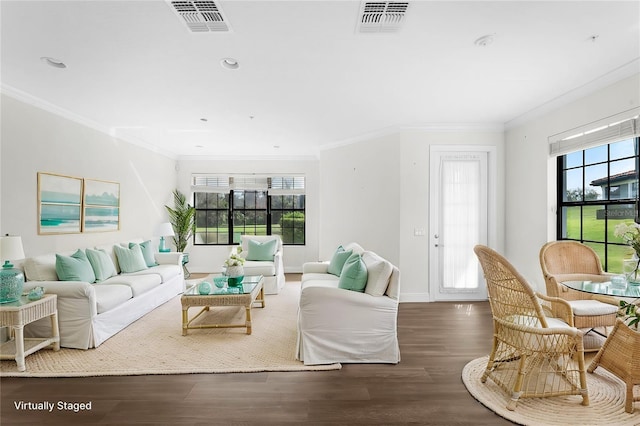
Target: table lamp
164, 230
11, 279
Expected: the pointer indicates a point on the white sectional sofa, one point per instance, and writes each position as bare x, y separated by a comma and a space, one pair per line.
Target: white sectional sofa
90, 313
271, 269
340, 325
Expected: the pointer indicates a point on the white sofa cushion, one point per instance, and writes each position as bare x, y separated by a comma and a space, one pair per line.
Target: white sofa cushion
139, 284
165, 272
111, 295
259, 267
379, 272
318, 276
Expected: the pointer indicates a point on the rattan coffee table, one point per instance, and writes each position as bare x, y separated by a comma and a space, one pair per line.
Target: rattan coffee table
246, 294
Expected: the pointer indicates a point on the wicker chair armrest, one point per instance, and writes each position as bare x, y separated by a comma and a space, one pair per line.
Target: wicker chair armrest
556, 308
524, 328
611, 300
566, 340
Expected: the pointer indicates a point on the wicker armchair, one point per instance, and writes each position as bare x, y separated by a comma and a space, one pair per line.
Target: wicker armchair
573, 261
536, 350
620, 355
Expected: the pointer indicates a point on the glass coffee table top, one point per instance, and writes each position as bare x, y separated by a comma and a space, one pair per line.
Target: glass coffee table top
220, 286
608, 288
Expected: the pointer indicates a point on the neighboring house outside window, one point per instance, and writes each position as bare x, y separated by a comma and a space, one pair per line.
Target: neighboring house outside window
228, 206
598, 189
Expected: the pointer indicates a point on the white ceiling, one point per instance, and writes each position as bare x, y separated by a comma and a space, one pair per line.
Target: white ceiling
307, 78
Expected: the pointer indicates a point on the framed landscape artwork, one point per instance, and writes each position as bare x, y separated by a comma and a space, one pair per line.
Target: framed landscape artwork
59, 204
101, 206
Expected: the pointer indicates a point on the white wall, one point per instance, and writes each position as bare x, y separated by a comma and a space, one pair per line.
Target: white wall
531, 174
34, 140
360, 197
211, 258
376, 192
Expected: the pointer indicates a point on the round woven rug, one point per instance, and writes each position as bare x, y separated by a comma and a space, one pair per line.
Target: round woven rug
606, 397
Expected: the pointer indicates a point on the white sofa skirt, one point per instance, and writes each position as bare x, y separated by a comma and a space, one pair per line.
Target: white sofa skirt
84, 328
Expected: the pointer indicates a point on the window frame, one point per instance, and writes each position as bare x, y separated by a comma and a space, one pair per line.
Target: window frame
606, 203
272, 186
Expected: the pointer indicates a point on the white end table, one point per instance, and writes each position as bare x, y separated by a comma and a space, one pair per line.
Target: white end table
16, 315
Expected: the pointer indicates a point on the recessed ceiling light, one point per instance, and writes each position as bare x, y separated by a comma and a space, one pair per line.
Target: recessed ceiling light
53, 62
230, 63
484, 41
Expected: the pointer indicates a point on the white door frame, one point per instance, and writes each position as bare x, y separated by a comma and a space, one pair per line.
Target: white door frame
433, 205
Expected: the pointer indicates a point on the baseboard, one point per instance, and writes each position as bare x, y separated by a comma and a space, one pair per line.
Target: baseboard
414, 297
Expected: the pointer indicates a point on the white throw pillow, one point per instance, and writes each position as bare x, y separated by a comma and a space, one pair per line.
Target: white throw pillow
41, 268
378, 273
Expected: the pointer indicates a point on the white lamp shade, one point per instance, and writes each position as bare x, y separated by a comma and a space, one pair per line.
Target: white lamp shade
165, 230
11, 248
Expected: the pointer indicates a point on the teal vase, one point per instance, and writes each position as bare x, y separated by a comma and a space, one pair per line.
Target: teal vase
11, 283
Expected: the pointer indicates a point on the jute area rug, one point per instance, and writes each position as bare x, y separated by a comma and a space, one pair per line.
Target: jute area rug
154, 345
606, 397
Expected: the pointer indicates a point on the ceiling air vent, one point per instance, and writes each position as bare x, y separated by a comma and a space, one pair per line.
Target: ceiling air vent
382, 17
201, 16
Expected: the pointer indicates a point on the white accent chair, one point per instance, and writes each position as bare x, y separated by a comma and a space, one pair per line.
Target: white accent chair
272, 271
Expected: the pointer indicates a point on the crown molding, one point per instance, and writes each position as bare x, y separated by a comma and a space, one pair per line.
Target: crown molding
624, 71
52, 108
426, 127
456, 127
248, 158
360, 138
79, 119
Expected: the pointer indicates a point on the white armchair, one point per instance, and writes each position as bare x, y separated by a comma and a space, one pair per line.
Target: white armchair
271, 270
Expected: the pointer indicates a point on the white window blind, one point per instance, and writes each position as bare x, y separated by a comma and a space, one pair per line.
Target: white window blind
608, 130
276, 185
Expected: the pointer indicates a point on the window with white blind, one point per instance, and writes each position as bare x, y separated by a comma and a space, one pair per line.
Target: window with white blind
228, 206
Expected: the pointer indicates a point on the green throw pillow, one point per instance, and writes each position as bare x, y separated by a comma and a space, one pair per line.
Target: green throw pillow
354, 274
338, 260
147, 253
262, 250
130, 259
74, 268
102, 264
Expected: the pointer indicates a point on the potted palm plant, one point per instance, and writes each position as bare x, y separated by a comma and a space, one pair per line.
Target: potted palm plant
182, 218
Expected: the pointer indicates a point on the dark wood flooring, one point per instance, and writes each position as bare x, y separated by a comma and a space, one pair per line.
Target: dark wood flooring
425, 388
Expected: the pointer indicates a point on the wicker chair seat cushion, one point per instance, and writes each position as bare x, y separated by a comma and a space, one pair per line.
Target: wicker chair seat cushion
591, 308
534, 322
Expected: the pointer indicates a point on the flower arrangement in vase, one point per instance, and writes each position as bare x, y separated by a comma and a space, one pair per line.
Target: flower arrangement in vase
629, 233
234, 269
